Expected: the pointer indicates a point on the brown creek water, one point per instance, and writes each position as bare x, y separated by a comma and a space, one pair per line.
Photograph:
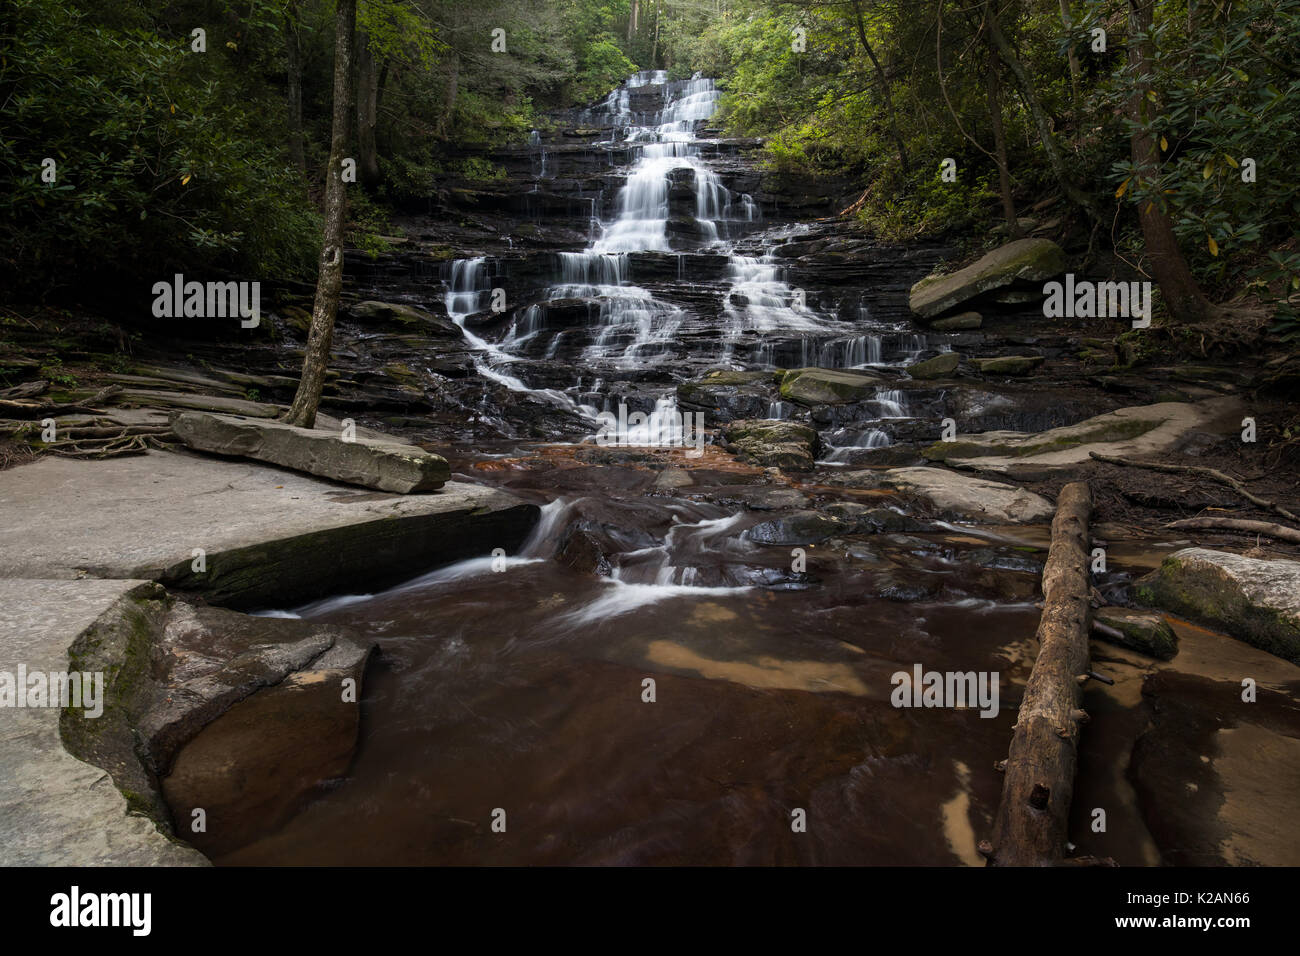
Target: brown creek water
522, 690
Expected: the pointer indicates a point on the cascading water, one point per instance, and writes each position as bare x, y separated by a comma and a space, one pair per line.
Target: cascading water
671, 200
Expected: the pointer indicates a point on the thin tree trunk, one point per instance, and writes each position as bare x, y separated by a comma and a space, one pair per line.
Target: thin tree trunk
994, 90
449, 102
1044, 128
885, 91
293, 58
654, 50
1182, 295
329, 281
1067, 20
631, 22
1030, 828
367, 112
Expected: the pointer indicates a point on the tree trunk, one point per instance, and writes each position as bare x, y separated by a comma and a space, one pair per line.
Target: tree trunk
449, 102
1030, 828
1182, 295
293, 58
631, 22
994, 90
1067, 20
886, 93
367, 113
654, 50
329, 281
999, 41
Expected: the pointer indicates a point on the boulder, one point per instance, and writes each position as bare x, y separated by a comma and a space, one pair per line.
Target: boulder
1126, 432
792, 446
938, 367
1008, 364
824, 386
1025, 260
373, 463
961, 322
1251, 599
1144, 631
401, 316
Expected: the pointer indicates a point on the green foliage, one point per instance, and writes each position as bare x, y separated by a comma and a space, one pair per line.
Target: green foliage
1222, 95
158, 167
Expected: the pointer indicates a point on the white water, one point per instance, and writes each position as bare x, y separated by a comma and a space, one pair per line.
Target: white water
629, 328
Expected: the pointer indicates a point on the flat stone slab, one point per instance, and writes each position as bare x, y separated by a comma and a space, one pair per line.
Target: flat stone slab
56, 810
1254, 600
383, 464
958, 496
1125, 432
270, 537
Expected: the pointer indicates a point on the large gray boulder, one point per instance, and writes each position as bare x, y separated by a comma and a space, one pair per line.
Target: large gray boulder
370, 462
1254, 600
1025, 260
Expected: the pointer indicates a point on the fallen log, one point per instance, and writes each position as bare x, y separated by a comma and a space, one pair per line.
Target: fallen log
1266, 528
1030, 827
25, 390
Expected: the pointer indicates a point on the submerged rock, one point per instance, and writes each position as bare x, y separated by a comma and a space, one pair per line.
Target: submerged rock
788, 445
1144, 631
1253, 600
1026, 260
385, 465
797, 528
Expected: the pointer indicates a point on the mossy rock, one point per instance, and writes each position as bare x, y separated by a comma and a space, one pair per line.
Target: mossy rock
937, 367
1143, 631
1009, 364
1253, 600
823, 386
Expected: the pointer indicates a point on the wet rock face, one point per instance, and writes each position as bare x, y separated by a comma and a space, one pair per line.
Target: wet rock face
795, 529
1256, 601
210, 709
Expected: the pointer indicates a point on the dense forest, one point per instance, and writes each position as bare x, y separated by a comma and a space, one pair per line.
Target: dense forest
199, 131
